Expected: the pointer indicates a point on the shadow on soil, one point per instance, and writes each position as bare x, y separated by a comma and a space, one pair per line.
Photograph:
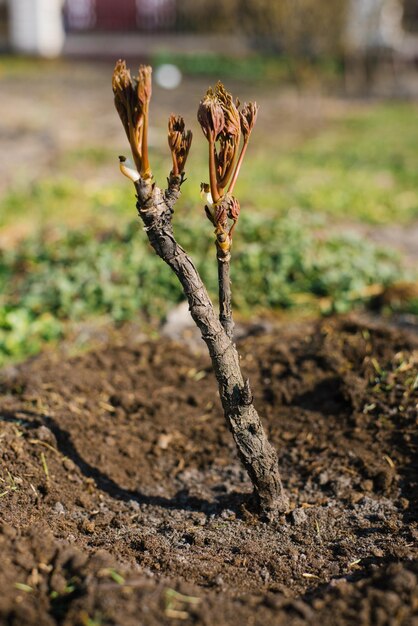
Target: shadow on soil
181, 501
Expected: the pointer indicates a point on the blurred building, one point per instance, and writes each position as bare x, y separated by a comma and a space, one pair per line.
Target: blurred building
125, 15
307, 28
39, 27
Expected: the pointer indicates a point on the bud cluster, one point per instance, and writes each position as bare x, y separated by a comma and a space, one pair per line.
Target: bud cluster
132, 98
223, 125
179, 141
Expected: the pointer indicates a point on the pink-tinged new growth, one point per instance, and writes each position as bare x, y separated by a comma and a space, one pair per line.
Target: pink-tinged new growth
144, 88
211, 119
228, 208
223, 125
132, 98
232, 125
210, 115
179, 141
248, 118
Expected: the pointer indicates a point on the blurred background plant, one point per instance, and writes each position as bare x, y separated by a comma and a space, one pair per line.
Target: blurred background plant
329, 190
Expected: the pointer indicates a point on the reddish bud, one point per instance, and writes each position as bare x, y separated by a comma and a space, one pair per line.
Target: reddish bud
179, 141
248, 118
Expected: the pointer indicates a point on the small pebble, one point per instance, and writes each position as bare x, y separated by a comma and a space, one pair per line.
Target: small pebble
8, 530
46, 435
367, 485
298, 516
68, 464
377, 552
88, 526
59, 508
323, 478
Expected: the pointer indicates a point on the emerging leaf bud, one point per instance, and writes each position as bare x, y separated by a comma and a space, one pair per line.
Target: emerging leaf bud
121, 78
248, 117
179, 141
233, 208
223, 125
210, 116
124, 96
132, 97
220, 122
232, 124
144, 88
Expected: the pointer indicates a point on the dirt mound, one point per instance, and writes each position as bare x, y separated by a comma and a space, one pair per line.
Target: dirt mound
123, 502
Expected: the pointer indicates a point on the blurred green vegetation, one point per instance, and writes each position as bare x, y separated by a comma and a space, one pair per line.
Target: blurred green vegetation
48, 281
12, 65
364, 167
256, 67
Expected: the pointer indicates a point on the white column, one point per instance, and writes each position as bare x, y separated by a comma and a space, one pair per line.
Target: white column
36, 26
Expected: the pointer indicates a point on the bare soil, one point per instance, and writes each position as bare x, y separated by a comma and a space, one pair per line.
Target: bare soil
122, 501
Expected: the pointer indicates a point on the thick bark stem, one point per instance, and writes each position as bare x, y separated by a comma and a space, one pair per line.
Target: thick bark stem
225, 297
257, 455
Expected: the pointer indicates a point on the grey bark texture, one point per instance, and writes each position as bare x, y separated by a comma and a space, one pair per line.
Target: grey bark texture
155, 208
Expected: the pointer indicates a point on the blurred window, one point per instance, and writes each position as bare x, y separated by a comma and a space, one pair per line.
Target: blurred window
113, 15
155, 14
108, 15
80, 14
